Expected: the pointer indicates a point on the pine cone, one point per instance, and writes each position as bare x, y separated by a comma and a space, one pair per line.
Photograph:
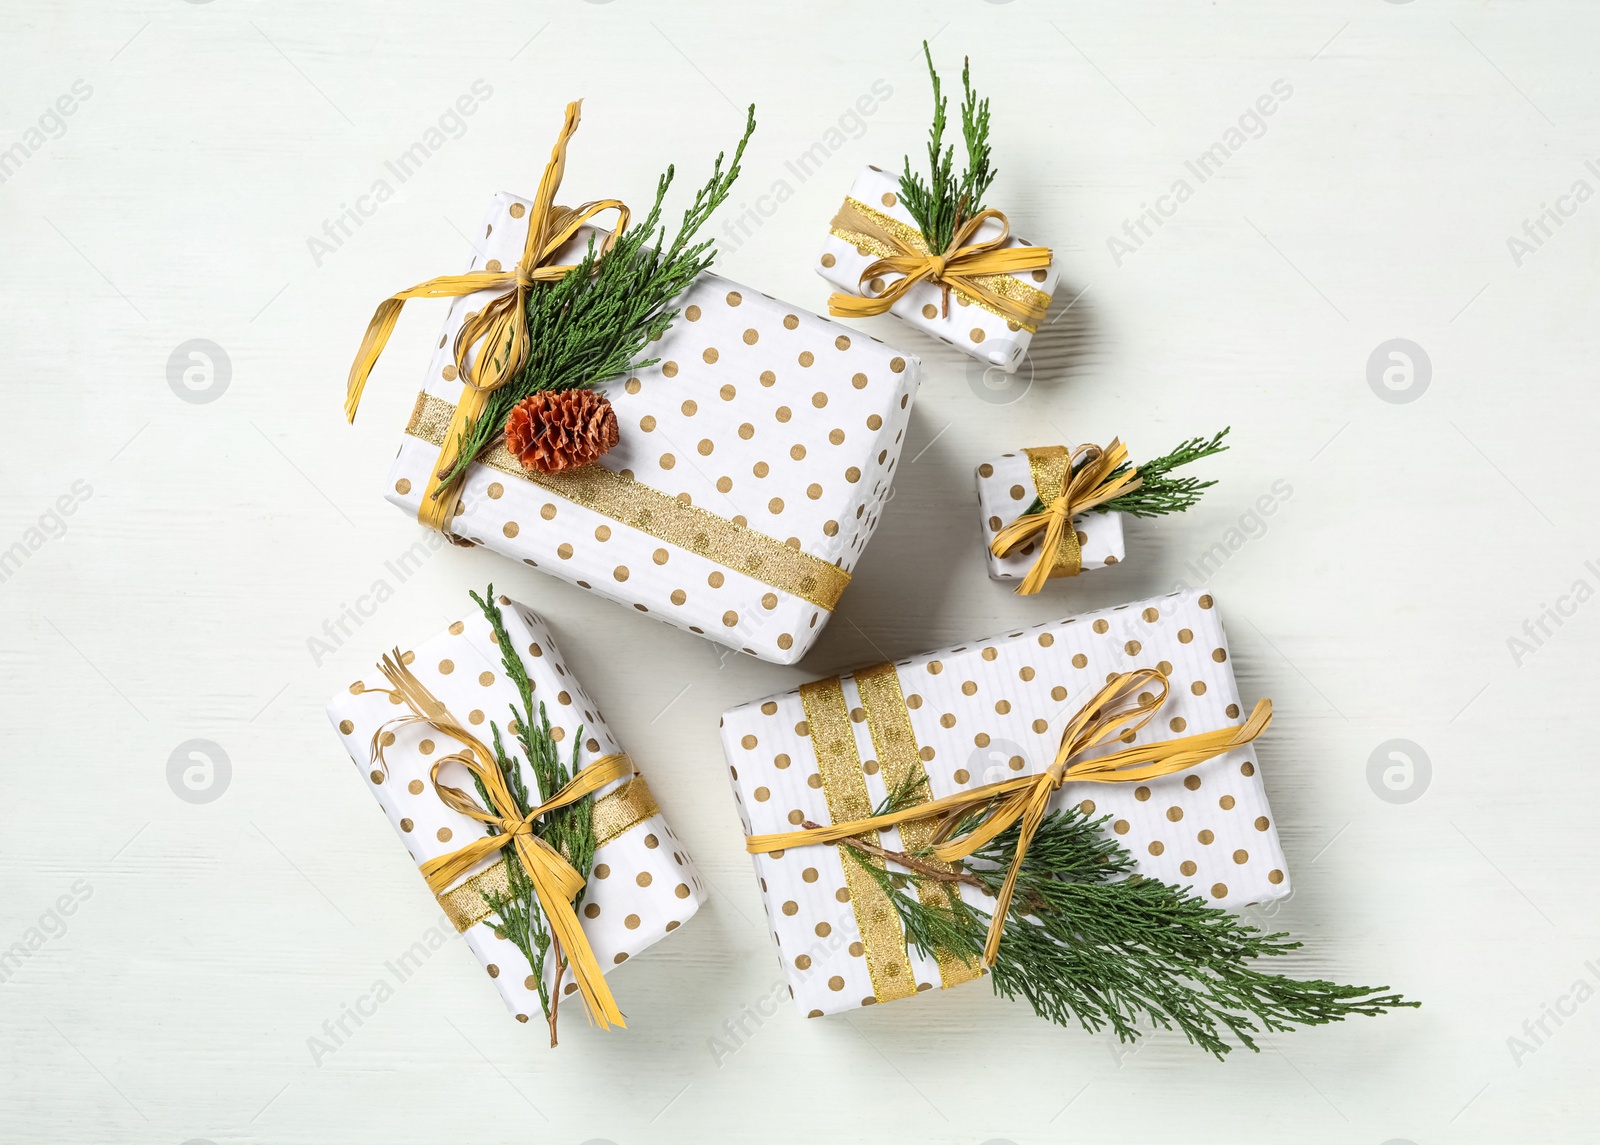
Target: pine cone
560, 429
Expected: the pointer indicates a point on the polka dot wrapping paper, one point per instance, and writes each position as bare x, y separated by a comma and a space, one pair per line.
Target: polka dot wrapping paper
982, 712
643, 885
1006, 489
758, 413
968, 327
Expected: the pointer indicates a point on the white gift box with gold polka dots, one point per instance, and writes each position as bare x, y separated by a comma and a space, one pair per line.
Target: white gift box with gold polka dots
978, 713
1006, 489
968, 326
755, 458
643, 885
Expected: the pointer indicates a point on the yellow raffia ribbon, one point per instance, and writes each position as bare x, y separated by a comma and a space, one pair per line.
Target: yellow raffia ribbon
555, 881
498, 332
1068, 483
962, 266
1118, 711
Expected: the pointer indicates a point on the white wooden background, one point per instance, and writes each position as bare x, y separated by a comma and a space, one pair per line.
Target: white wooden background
215, 529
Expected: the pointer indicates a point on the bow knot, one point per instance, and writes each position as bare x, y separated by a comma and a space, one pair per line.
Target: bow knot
967, 266
493, 343
970, 820
1067, 483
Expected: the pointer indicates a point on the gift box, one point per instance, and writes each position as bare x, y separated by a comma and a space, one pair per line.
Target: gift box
1006, 488
968, 322
754, 461
643, 884
979, 713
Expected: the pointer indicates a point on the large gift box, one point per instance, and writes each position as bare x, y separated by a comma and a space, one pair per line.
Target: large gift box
754, 461
643, 885
1006, 489
855, 241
979, 713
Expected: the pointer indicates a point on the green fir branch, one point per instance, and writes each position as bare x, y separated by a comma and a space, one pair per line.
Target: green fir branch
593, 324
1158, 492
570, 829
1089, 941
944, 201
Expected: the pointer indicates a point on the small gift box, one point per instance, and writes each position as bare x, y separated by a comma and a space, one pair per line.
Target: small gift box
753, 463
991, 316
1006, 489
993, 716
1056, 510
419, 732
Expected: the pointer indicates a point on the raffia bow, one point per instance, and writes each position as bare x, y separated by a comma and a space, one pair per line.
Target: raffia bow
493, 344
962, 266
969, 820
1068, 483
555, 881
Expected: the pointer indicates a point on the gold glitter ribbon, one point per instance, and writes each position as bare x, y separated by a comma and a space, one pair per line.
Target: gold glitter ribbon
1067, 484
555, 881
981, 272
499, 331
845, 788
900, 762
614, 815
632, 503
1118, 711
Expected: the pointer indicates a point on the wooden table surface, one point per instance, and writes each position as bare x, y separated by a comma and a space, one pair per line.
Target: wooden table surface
1386, 287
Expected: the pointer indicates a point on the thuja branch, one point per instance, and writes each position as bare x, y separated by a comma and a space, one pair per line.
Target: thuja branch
944, 200
1087, 940
1158, 492
570, 829
593, 324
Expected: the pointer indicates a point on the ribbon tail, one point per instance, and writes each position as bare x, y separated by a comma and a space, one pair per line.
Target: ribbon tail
1042, 564
555, 899
1032, 817
372, 344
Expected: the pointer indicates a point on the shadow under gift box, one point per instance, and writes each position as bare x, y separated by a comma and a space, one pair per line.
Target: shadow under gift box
1005, 490
643, 885
968, 326
983, 712
755, 458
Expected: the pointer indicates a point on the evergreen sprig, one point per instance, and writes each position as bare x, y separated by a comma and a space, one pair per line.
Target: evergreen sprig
1159, 493
942, 202
1090, 941
592, 325
569, 829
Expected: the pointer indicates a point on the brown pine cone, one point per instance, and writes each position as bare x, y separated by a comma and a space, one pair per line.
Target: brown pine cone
556, 430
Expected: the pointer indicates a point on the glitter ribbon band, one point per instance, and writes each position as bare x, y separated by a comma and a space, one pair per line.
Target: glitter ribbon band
614, 815
632, 503
1067, 484
980, 272
900, 762
499, 330
845, 788
966, 822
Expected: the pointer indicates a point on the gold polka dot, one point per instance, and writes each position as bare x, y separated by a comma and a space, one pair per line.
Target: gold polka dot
406, 824
1058, 693
1188, 867
874, 422
1132, 647
1219, 890
828, 260
632, 385
446, 667
444, 834
705, 447
548, 512
510, 528
783, 413
564, 551
1120, 826
1192, 782
1157, 847
1247, 768
930, 311
836, 983
1206, 838
714, 579
842, 894
1233, 711
819, 399
602, 871
710, 355
806, 358
768, 378
775, 505
1079, 660
852, 475
1101, 626
785, 641
426, 747
669, 369
449, 373
668, 461
518, 210
591, 910
1226, 803
1141, 793
1087, 807
632, 923
975, 334
730, 618
346, 727
734, 298
897, 365
1274, 876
